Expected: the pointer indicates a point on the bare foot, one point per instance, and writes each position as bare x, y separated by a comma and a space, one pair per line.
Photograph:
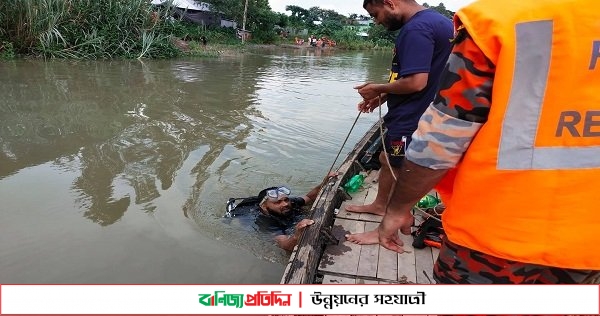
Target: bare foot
366, 238
369, 208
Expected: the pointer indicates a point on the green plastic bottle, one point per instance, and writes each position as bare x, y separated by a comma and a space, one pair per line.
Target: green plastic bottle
354, 183
428, 201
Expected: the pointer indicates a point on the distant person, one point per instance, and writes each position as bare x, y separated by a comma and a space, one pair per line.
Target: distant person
514, 133
278, 212
421, 50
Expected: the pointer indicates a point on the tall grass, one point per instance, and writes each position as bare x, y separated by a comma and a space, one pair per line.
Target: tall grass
86, 28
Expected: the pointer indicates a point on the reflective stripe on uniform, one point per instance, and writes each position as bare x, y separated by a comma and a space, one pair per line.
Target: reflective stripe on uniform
517, 145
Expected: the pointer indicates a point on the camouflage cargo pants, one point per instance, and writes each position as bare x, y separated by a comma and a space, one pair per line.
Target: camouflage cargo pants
460, 265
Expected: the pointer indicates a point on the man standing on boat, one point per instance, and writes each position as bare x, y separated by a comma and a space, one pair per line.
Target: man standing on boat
517, 121
420, 54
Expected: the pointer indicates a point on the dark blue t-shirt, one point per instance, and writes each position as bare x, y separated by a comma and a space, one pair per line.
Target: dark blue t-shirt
422, 45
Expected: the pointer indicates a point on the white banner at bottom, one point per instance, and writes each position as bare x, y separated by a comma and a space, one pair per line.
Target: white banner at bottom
300, 299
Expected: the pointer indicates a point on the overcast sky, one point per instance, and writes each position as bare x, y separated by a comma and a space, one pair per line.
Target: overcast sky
352, 6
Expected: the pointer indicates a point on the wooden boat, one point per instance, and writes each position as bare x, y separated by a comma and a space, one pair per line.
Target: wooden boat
324, 256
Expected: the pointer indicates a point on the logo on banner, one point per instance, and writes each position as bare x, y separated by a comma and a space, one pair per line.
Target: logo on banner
261, 298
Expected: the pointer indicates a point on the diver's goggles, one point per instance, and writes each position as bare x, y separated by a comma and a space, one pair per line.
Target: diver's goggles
278, 193
275, 194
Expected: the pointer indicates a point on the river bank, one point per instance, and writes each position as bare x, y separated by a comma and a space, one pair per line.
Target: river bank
228, 50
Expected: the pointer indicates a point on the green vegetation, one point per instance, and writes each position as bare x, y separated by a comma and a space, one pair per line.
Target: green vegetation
86, 29
441, 8
6, 50
103, 29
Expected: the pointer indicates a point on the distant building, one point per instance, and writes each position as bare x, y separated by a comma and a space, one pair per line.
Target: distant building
361, 27
197, 12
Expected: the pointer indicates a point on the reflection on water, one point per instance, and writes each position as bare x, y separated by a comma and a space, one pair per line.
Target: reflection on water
128, 164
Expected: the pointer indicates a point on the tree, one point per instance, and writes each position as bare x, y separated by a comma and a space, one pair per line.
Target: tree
329, 27
232, 9
379, 32
330, 20
298, 17
297, 12
314, 14
260, 19
441, 8
283, 20
331, 15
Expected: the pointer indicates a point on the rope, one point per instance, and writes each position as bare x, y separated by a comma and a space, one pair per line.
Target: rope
387, 159
427, 215
327, 191
344, 144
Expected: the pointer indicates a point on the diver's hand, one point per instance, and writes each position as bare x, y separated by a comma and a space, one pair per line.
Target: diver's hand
289, 242
332, 174
302, 225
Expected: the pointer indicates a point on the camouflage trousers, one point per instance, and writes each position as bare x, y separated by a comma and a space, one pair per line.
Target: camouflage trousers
460, 265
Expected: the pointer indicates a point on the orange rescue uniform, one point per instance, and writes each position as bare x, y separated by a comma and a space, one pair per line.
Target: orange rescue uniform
539, 151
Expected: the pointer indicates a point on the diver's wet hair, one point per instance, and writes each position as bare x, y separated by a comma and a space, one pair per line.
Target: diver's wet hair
263, 193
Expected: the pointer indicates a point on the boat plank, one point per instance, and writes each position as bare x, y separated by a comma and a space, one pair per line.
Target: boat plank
435, 252
357, 198
333, 279
361, 281
366, 195
344, 257
368, 261
424, 264
370, 198
407, 268
372, 176
387, 267
337, 279
387, 264
343, 213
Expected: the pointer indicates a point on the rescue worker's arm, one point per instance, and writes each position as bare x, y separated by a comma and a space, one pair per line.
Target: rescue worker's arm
410, 66
367, 106
445, 131
404, 85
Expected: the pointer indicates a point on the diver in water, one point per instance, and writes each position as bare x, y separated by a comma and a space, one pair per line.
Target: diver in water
277, 211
